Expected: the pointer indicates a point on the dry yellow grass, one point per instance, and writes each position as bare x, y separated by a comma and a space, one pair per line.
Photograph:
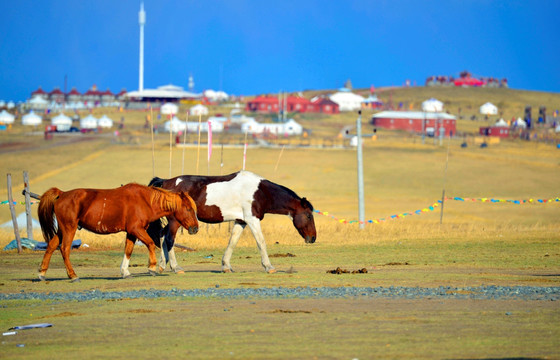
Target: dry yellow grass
401, 175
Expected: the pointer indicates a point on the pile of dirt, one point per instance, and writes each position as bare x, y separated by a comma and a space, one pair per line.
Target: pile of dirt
281, 255
338, 270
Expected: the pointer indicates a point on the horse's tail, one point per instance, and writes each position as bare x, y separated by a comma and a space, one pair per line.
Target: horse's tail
46, 212
156, 182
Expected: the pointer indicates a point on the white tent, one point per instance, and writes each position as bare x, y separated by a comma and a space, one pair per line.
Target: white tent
11, 105
347, 101
175, 124
217, 126
6, 117
520, 123
169, 109
501, 123
291, 127
215, 95
489, 109
22, 223
105, 122
31, 119
198, 110
62, 122
37, 102
89, 122
432, 105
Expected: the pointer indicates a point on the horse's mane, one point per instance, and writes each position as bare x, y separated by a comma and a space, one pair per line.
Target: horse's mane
303, 201
166, 200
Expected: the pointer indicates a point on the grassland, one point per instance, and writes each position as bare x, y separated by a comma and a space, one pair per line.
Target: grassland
478, 243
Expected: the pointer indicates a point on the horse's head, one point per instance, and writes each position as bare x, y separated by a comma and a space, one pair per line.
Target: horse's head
186, 214
304, 222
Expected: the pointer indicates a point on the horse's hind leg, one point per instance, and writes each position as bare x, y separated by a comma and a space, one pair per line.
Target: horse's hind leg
51, 247
65, 247
235, 235
128, 247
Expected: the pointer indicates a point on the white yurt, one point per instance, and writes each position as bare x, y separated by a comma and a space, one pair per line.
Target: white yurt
37, 102
89, 122
347, 100
432, 105
198, 110
291, 127
62, 122
6, 117
31, 119
501, 123
520, 123
216, 96
489, 109
217, 126
169, 109
105, 122
175, 124
11, 105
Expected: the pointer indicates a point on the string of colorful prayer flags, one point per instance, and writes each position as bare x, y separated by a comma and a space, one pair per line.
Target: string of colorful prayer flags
434, 206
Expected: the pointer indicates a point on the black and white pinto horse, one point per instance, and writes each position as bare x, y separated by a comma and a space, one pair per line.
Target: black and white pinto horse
241, 197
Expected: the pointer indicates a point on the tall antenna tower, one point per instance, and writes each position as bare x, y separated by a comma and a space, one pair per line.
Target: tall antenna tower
141, 22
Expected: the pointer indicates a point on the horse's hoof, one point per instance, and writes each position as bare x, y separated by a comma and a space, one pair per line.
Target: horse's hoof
75, 280
160, 269
271, 270
126, 276
42, 277
227, 271
152, 272
179, 270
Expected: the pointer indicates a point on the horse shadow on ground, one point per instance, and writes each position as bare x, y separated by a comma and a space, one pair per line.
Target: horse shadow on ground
110, 278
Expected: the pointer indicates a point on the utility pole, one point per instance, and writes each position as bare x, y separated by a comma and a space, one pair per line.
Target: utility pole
361, 206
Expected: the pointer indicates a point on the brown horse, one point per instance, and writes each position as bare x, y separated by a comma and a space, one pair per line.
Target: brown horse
130, 208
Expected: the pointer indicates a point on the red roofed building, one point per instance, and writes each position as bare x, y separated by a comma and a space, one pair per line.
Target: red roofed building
325, 105
74, 95
57, 95
299, 104
262, 103
270, 104
40, 92
416, 121
92, 95
107, 96
121, 94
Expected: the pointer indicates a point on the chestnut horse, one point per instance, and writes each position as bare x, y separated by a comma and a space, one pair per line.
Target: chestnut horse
129, 208
241, 197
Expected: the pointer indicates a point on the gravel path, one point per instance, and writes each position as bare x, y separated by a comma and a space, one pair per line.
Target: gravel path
393, 292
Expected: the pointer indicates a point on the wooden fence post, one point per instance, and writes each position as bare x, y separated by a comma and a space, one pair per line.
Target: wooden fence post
13, 211
28, 206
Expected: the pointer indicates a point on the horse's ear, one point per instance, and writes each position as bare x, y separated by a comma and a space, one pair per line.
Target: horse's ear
306, 204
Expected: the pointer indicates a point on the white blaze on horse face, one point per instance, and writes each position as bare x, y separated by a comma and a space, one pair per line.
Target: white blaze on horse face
234, 197
178, 181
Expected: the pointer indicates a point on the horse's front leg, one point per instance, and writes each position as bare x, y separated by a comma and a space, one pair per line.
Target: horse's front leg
167, 251
235, 235
255, 226
128, 247
68, 233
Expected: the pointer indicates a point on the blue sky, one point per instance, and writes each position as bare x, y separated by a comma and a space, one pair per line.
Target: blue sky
254, 47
